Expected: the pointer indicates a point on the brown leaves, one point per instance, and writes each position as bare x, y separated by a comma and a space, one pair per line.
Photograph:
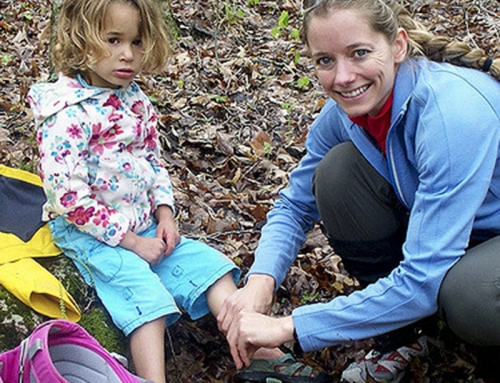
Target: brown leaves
233, 123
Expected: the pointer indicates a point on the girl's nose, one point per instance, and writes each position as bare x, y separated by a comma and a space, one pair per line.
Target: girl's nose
127, 53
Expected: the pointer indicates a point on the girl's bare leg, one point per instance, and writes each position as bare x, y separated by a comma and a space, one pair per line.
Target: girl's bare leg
148, 350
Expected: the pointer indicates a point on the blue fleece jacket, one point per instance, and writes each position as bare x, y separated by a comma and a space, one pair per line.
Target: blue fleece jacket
443, 162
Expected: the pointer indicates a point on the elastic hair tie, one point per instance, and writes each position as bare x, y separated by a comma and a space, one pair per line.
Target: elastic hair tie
487, 64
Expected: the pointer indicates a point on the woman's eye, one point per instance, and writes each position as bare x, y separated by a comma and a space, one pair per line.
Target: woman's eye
360, 53
323, 61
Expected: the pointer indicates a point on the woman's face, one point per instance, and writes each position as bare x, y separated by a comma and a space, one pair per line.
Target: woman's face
355, 65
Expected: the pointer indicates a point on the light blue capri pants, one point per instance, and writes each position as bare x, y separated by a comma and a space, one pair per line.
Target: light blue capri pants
135, 292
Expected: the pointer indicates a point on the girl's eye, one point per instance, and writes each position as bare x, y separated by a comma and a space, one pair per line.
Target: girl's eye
137, 42
113, 40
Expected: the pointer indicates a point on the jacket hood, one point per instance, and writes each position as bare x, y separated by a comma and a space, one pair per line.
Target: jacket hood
47, 99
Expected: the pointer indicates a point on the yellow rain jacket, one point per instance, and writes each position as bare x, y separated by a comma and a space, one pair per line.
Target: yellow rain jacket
23, 236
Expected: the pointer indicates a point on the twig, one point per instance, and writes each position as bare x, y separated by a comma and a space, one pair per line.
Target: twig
466, 17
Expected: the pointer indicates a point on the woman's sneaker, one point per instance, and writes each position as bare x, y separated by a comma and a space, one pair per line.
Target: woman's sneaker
387, 368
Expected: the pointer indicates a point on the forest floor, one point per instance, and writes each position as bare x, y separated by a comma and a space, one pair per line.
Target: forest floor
235, 104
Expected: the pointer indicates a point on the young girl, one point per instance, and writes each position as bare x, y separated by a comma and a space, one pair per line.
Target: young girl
110, 200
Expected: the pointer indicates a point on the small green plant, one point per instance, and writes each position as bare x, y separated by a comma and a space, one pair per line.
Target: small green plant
232, 11
303, 82
283, 22
153, 99
308, 297
218, 99
268, 148
6, 59
286, 106
296, 57
252, 2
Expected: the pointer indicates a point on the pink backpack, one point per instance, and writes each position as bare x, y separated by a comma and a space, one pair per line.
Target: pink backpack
60, 351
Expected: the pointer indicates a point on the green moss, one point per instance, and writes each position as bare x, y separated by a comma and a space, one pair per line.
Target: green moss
98, 323
17, 320
66, 272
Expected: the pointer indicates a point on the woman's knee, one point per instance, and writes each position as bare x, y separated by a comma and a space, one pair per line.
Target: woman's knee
333, 176
354, 201
469, 298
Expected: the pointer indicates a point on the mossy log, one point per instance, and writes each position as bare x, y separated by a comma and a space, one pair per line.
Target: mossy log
17, 320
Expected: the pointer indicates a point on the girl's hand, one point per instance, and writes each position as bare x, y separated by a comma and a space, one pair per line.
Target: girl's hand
152, 250
167, 228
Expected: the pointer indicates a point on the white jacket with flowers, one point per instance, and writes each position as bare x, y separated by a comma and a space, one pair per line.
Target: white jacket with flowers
100, 161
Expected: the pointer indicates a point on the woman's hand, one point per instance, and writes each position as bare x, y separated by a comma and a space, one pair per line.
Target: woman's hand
251, 331
255, 296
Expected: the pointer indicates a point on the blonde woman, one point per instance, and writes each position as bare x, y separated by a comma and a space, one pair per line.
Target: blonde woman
403, 171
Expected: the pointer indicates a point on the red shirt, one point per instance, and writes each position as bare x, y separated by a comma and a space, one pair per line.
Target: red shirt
377, 126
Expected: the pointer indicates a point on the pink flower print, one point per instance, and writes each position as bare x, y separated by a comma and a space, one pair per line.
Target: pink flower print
61, 151
151, 138
113, 101
115, 117
68, 199
81, 216
101, 219
39, 136
101, 184
126, 166
138, 108
74, 131
137, 129
153, 118
96, 130
100, 140
113, 132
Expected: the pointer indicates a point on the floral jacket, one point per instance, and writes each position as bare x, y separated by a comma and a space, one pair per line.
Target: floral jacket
100, 161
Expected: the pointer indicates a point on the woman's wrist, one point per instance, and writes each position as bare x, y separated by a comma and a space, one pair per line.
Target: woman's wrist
263, 281
288, 329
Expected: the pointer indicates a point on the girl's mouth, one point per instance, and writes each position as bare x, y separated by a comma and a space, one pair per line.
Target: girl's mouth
124, 73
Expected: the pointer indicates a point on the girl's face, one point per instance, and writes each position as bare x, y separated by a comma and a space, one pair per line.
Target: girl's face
121, 37
355, 65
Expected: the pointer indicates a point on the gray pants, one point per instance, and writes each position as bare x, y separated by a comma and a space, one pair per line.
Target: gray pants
366, 225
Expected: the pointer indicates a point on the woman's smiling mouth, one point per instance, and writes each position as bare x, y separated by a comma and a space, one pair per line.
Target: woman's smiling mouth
355, 92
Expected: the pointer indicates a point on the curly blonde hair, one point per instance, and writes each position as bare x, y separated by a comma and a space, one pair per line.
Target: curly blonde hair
78, 44
387, 16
